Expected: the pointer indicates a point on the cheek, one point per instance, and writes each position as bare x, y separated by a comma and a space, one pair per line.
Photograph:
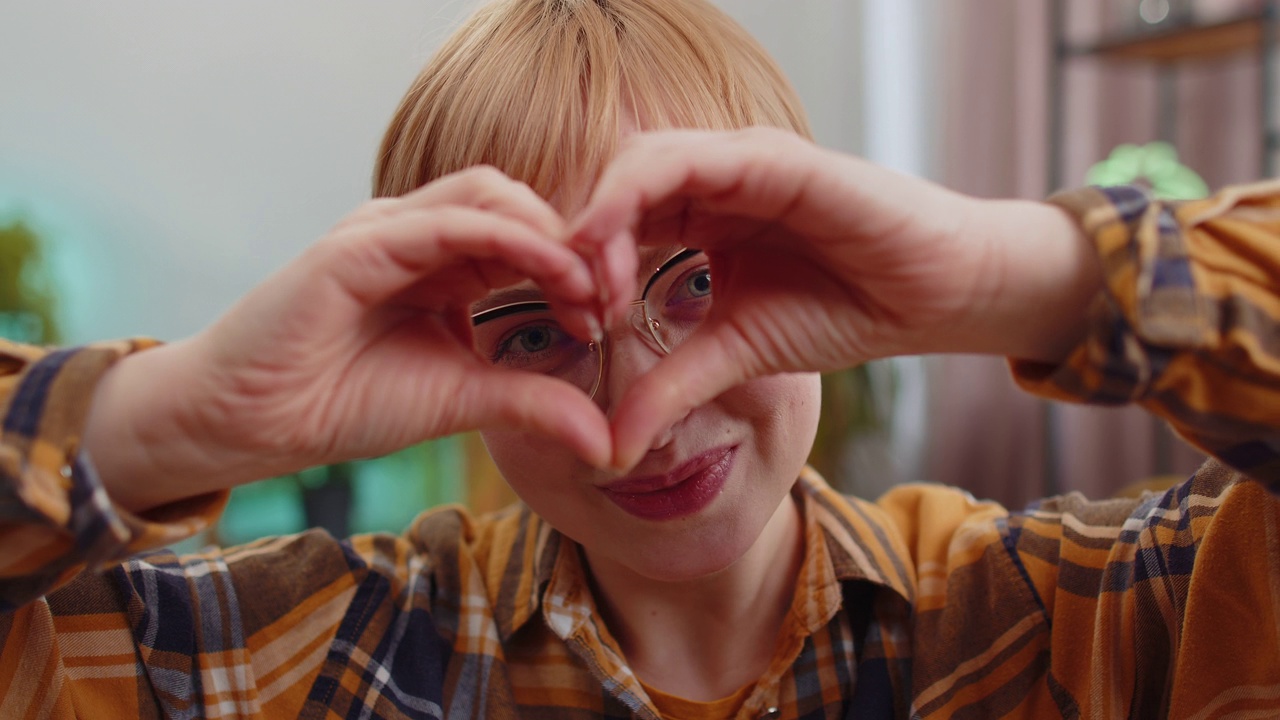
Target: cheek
532, 465
783, 412
550, 480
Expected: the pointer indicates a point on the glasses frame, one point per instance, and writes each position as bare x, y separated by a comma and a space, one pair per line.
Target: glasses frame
600, 349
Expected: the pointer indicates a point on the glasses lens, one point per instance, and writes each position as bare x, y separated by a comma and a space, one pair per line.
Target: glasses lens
679, 299
527, 337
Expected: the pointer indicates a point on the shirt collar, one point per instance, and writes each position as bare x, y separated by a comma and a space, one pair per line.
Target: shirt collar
863, 542
529, 566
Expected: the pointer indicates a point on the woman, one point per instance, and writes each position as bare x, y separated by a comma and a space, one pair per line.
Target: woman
539, 265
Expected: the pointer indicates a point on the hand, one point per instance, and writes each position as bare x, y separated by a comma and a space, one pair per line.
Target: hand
359, 347
821, 261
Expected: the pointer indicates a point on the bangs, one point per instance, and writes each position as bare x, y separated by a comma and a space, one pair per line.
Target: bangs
537, 88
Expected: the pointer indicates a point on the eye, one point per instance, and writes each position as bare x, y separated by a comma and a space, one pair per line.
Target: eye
690, 284
698, 283
532, 339
529, 344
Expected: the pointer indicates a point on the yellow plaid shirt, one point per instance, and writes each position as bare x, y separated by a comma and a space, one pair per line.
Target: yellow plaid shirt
926, 603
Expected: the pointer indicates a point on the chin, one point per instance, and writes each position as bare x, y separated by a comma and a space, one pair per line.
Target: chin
704, 551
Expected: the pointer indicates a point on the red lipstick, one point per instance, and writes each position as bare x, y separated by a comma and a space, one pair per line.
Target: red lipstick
684, 490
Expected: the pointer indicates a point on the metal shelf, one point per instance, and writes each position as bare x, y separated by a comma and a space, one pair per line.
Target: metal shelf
1185, 42
1167, 51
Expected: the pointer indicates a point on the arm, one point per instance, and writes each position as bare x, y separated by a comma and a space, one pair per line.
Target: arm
54, 517
1164, 606
144, 638
822, 261
1189, 324
360, 346
250, 628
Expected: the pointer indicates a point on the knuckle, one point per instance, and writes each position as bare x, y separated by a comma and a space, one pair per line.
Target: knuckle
378, 208
638, 146
347, 254
769, 138
488, 188
481, 176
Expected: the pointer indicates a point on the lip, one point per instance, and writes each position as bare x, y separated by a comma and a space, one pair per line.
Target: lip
686, 489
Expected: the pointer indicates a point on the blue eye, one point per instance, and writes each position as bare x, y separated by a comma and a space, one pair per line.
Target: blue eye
533, 339
525, 336
537, 346
690, 285
699, 283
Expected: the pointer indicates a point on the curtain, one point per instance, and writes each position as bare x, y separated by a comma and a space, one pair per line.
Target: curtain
993, 65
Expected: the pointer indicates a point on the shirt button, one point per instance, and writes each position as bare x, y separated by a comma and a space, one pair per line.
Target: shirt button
66, 471
771, 714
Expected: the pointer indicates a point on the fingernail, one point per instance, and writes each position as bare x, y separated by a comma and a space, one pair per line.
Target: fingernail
621, 465
593, 326
609, 470
602, 282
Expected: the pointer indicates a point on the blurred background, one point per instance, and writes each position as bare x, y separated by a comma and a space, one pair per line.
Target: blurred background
159, 159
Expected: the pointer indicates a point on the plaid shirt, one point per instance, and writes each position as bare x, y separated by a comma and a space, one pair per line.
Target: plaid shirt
926, 603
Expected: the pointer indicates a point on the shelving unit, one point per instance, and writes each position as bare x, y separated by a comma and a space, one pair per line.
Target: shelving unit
1166, 50
1181, 43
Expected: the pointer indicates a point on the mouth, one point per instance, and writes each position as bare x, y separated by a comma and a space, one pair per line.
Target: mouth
685, 490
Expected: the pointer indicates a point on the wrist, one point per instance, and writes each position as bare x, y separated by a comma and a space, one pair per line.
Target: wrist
140, 439
1044, 276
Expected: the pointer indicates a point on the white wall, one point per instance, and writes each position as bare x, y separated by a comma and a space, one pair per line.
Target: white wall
818, 43
173, 154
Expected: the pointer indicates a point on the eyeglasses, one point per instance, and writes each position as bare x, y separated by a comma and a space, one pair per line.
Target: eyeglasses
525, 336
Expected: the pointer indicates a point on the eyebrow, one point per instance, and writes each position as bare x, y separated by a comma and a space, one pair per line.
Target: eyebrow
507, 296
676, 259
525, 293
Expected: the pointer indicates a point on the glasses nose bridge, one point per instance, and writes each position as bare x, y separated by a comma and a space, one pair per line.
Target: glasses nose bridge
639, 321
645, 326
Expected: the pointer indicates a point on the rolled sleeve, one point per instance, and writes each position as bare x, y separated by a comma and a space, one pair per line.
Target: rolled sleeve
1189, 323
55, 516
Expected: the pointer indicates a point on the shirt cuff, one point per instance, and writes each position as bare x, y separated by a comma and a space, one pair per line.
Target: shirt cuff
55, 516
1187, 324
1148, 311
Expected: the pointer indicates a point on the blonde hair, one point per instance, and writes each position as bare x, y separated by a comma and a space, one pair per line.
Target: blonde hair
536, 88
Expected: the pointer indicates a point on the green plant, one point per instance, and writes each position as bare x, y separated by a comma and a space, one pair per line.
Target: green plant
27, 304
852, 405
1154, 165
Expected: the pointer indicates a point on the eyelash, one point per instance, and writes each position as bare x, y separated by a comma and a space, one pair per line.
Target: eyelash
504, 347
681, 286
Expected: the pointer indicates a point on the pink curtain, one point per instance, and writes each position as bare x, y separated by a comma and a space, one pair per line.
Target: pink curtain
994, 60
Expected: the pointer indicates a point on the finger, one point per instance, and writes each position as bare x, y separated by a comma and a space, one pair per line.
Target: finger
710, 362
614, 265
540, 404
486, 188
757, 173
375, 261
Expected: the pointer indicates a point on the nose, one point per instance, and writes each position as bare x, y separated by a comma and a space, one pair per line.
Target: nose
628, 354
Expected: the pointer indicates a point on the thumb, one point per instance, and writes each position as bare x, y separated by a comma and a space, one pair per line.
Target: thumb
530, 402
711, 361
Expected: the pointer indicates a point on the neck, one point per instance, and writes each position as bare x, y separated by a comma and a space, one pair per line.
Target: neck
703, 639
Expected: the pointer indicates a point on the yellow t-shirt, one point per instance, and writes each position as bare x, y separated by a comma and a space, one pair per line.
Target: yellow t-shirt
673, 707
